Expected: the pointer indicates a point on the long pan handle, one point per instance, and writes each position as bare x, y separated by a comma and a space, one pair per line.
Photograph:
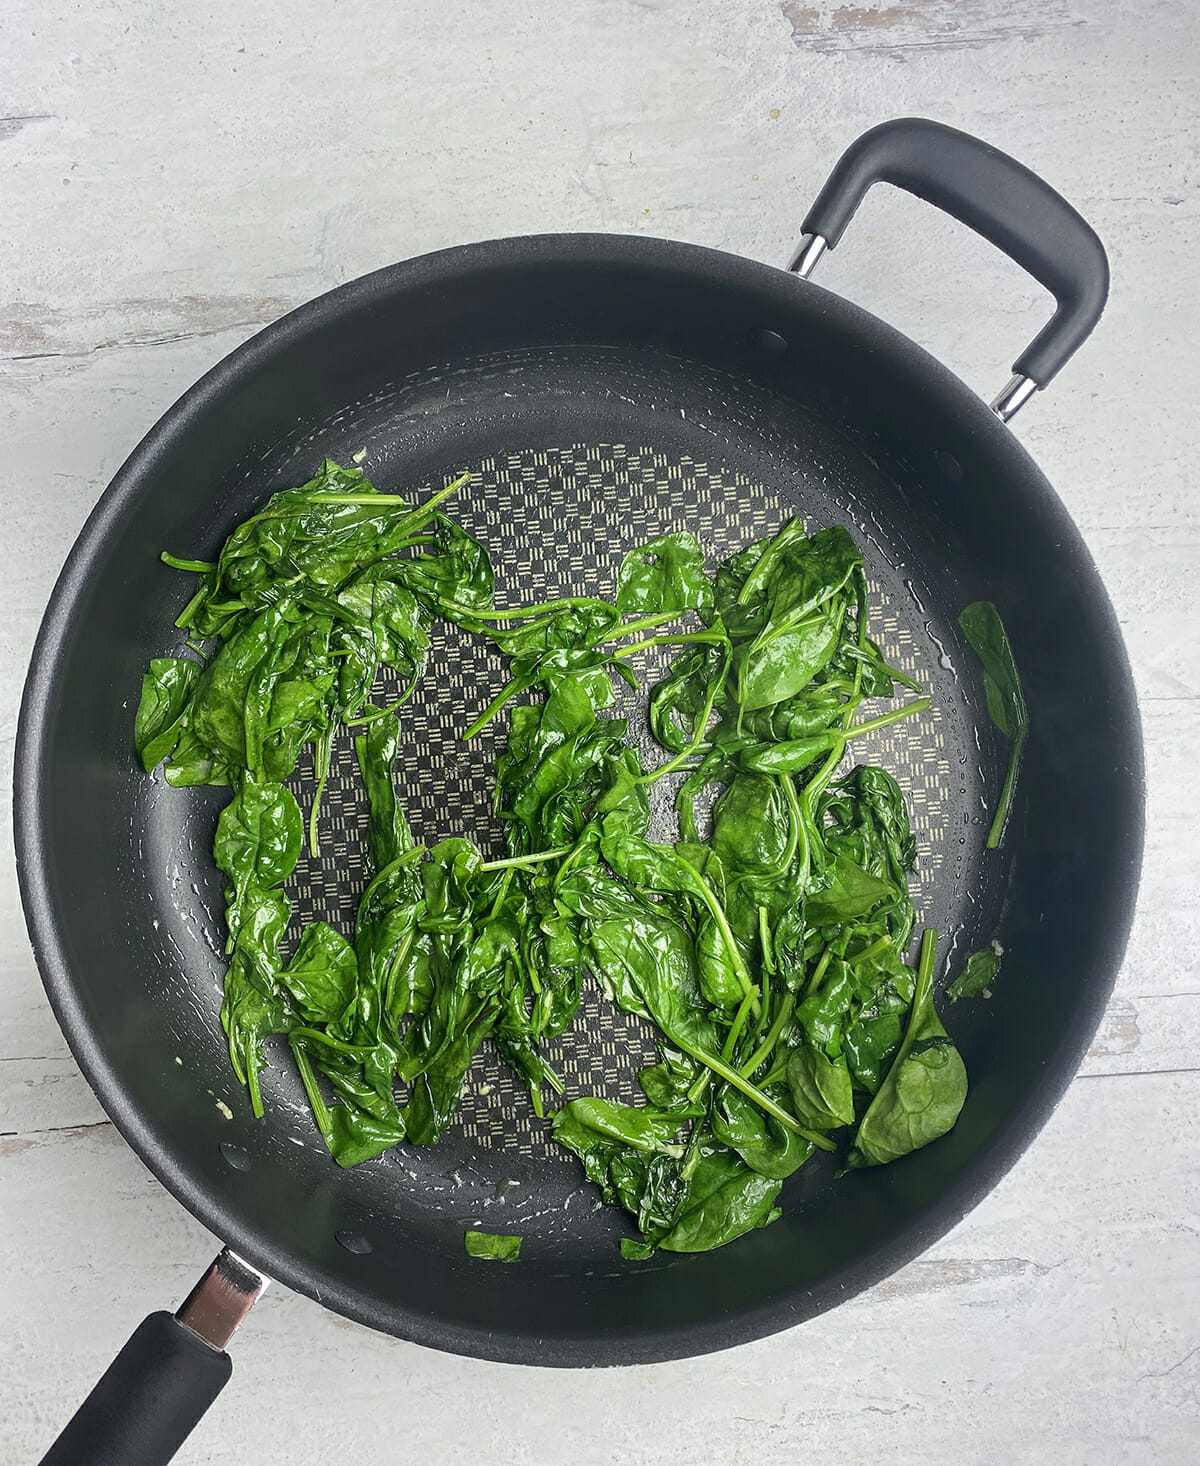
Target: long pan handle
157, 1388
1000, 199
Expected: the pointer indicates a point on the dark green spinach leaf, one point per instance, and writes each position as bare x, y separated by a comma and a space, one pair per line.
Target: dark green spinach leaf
978, 975
925, 1088
666, 574
985, 631
161, 716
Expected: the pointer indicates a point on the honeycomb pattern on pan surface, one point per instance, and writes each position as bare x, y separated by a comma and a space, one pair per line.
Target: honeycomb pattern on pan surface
558, 521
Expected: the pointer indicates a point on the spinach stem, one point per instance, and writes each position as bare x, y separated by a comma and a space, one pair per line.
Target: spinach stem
315, 1035
860, 606
881, 944
201, 567
752, 1093
704, 891
772, 1038
907, 710
764, 939
735, 1028
765, 1006
324, 496
321, 761
818, 972
797, 827
501, 892
572, 856
699, 1085
691, 1156
316, 1099
686, 636
185, 617
515, 862
792, 530
403, 948
256, 1104
817, 784
509, 690
921, 989
701, 727
646, 623
376, 712
996, 833
775, 1074
524, 613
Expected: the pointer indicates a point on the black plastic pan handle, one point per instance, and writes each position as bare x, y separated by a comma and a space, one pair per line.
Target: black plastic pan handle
1000, 199
174, 1366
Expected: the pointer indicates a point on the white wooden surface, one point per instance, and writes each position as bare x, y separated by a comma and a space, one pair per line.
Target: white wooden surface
177, 175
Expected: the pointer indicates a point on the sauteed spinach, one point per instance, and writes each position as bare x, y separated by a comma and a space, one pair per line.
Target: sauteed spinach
766, 945
983, 628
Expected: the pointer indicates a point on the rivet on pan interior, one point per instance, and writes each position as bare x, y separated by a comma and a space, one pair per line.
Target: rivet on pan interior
353, 1242
233, 1156
949, 465
768, 340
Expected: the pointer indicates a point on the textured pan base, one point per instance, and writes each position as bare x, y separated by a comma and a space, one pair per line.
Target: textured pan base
558, 520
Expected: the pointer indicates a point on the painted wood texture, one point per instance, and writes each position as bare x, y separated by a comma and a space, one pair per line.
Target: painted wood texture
175, 177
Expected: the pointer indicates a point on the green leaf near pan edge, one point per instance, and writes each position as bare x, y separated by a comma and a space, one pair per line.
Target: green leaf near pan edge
493, 1245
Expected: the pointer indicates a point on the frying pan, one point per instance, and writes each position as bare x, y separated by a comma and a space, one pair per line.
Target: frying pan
601, 390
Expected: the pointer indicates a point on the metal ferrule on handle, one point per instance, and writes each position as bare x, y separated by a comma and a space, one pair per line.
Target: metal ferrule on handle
172, 1369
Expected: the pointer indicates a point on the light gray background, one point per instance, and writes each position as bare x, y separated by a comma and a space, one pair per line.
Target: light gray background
175, 176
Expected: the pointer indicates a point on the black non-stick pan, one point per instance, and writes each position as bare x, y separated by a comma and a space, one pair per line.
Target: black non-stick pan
600, 390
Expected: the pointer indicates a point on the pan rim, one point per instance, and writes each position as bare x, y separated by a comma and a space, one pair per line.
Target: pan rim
635, 1344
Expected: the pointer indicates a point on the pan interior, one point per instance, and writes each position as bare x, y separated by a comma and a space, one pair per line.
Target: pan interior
576, 455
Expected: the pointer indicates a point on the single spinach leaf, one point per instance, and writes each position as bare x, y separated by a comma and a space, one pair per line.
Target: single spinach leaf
925, 1088
724, 1199
321, 977
388, 835
983, 628
254, 1005
978, 975
665, 574
784, 658
458, 575
751, 831
822, 1094
591, 1121
849, 892
636, 1251
259, 834
493, 1245
760, 1140
357, 1135
166, 693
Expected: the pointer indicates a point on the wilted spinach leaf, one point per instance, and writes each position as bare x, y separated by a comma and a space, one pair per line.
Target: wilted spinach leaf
166, 691
985, 631
978, 974
666, 574
493, 1245
323, 974
925, 1088
822, 1092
